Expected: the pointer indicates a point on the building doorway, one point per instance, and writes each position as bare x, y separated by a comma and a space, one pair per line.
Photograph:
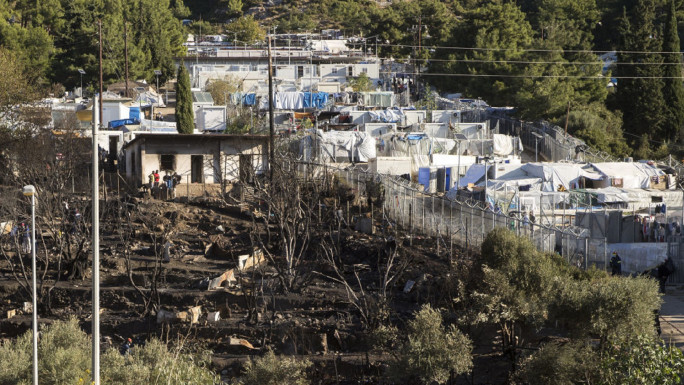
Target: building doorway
197, 169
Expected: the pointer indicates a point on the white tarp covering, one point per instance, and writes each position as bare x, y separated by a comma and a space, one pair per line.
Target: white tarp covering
440, 160
157, 126
418, 162
611, 195
503, 144
387, 116
360, 144
634, 175
331, 46
554, 175
436, 130
638, 199
513, 184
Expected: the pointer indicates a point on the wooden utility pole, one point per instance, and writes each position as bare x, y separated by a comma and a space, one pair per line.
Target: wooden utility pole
271, 123
567, 116
126, 54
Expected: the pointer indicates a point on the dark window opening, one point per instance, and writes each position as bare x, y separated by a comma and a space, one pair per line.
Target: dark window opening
167, 162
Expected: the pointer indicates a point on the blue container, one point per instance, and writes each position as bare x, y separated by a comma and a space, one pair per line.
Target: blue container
447, 187
424, 177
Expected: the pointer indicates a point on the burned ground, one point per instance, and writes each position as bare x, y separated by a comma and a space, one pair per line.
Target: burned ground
318, 319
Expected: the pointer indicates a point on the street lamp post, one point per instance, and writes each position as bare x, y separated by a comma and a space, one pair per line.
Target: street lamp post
29, 190
81, 72
537, 138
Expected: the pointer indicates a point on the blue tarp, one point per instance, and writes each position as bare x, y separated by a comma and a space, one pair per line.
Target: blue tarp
122, 122
319, 99
134, 113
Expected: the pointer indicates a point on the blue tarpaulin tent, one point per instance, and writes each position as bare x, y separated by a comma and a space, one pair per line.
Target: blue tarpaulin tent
122, 122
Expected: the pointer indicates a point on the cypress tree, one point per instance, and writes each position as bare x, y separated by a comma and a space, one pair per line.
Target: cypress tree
185, 123
673, 90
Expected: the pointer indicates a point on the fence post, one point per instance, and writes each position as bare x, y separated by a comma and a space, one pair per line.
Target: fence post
410, 212
586, 253
187, 185
471, 222
433, 215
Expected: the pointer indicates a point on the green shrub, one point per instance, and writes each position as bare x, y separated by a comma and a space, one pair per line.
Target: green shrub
431, 351
642, 360
155, 364
561, 364
64, 357
273, 370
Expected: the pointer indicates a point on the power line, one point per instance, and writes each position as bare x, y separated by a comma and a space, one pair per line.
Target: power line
530, 76
529, 49
528, 62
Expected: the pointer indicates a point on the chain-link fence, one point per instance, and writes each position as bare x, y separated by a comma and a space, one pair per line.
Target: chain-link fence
464, 221
549, 141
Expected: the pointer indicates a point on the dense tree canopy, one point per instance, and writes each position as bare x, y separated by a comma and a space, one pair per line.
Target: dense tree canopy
541, 56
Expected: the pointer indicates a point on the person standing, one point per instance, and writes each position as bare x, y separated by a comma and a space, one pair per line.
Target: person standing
616, 264
156, 178
26, 239
150, 180
125, 349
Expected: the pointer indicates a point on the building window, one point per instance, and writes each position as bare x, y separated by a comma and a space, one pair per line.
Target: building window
167, 162
300, 71
364, 70
350, 71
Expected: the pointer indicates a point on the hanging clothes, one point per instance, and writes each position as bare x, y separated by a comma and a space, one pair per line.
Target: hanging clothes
249, 99
289, 100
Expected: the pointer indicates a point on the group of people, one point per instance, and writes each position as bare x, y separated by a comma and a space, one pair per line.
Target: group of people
653, 230
163, 187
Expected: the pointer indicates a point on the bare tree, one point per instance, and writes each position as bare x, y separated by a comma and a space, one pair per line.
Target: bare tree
285, 220
372, 305
50, 161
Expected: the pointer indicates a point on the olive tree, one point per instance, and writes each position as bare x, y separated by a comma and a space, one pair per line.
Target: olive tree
431, 352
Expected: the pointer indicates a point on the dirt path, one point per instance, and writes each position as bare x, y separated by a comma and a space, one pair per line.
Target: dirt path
672, 317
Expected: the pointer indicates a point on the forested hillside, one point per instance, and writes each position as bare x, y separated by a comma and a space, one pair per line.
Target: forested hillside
548, 58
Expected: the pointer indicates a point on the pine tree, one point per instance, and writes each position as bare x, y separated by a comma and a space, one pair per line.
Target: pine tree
640, 84
184, 116
673, 90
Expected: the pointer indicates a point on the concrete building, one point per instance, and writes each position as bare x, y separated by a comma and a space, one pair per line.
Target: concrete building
197, 158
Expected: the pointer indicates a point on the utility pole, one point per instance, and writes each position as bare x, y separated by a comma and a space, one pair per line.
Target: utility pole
567, 116
271, 123
126, 54
100, 28
96, 231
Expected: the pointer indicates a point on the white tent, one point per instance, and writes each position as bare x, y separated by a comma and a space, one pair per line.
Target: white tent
633, 175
